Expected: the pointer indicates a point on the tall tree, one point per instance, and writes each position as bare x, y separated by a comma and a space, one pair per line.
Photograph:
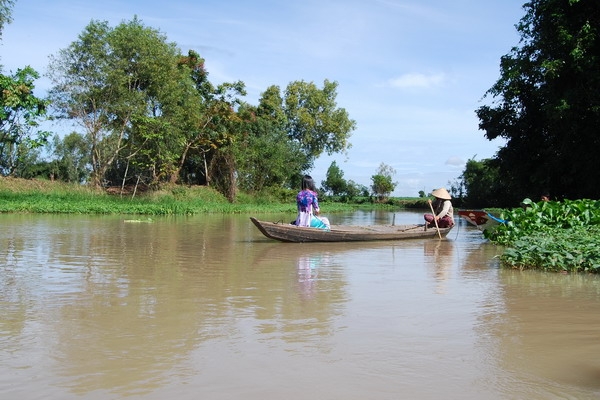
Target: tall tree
547, 102
265, 157
20, 111
383, 182
211, 127
82, 91
483, 185
335, 182
20, 115
314, 121
284, 134
127, 90
70, 158
5, 13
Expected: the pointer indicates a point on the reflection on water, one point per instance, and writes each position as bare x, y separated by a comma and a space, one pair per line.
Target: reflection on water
188, 307
439, 256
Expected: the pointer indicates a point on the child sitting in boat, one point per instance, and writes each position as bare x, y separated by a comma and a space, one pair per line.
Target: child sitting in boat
308, 206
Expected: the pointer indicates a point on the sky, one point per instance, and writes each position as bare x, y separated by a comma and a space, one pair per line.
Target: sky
411, 73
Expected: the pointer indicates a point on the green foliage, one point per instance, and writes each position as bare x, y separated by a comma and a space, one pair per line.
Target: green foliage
354, 190
549, 122
572, 250
314, 121
383, 184
551, 235
544, 216
151, 114
70, 158
264, 156
483, 185
5, 13
20, 115
335, 183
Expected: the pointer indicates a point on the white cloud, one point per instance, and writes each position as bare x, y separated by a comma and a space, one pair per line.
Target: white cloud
455, 161
417, 80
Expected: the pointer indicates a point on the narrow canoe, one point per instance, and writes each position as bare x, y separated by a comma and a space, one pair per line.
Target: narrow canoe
480, 218
285, 232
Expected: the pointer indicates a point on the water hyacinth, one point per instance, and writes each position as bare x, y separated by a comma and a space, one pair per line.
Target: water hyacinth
551, 236
571, 250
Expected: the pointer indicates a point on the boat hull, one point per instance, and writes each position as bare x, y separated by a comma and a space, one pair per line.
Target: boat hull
285, 232
479, 218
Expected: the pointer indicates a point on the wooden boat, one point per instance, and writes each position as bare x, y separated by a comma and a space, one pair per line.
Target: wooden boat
480, 218
286, 232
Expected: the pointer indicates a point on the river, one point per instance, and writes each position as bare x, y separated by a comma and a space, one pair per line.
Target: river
112, 307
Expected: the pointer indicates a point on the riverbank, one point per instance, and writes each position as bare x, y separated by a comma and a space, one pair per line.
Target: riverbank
42, 196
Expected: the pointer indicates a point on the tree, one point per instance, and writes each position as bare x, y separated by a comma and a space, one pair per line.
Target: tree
151, 113
355, 189
265, 157
547, 102
313, 120
71, 158
213, 122
284, 134
20, 116
5, 13
383, 184
20, 111
82, 91
483, 185
135, 101
335, 182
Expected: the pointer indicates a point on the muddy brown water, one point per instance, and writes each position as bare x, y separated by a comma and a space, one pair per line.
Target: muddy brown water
98, 307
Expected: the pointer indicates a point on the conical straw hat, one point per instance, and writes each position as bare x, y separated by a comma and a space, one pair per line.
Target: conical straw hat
441, 193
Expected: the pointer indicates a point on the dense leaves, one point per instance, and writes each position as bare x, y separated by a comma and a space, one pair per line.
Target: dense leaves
482, 183
547, 103
151, 114
335, 184
383, 184
20, 115
313, 119
572, 250
553, 236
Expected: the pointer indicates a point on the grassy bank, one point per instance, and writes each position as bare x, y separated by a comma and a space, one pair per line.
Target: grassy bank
40, 196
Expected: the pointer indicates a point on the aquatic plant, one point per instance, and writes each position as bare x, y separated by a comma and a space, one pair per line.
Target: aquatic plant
544, 216
571, 250
551, 236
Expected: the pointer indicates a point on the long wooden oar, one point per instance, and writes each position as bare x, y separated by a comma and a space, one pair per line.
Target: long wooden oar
434, 220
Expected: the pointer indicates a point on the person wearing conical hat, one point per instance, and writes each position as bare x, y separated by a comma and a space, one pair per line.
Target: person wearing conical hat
442, 207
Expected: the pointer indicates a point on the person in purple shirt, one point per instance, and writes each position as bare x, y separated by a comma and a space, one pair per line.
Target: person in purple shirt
308, 206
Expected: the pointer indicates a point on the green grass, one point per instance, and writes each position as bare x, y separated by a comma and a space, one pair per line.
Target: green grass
40, 196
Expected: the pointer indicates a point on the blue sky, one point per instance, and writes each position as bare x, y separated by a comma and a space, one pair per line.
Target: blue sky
410, 72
